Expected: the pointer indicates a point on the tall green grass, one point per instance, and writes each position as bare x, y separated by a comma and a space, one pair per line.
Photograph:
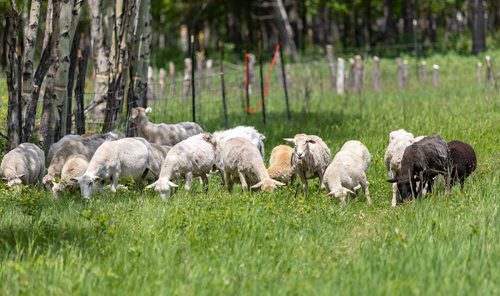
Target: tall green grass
281, 243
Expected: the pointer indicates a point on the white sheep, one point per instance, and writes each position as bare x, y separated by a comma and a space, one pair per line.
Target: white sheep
128, 158
159, 154
398, 141
310, 157
73, 168
193, 157
164, 134
280, 164
243, 160
347, 172
85, 146
57, 145
24, 164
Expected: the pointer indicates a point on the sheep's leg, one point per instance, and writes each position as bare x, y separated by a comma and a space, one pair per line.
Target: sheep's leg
228, 181
321, 185
243, 181
394, 194
304, 182
204, 180
116, 177
342, 199
189, 178
367, 192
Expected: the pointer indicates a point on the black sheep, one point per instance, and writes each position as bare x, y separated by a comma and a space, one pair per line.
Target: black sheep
421, 162
463, 161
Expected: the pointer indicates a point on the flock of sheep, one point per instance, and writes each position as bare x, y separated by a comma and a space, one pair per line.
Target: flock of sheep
170, 152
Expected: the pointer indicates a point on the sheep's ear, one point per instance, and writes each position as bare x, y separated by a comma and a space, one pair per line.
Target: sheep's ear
151, 185
309, 140
134, 113
257, 185
77, 179
331, 194
173, 184
278, 183
291, 140
393, 180
5, 179
96, 179
20, 176
148, 110
346, 191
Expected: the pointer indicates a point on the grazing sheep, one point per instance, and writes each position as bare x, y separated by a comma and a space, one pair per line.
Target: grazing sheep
422, 161
163, 134
347, 172
24, 164
121, 159
85, 146
310, 157
193, 157
463, 161
398, 141
280, 164
242, 159
159, 154
73, 168
56, 146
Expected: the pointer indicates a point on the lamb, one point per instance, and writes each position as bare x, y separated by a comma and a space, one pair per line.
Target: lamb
25, 164
85, 146
73, 168
280, 166
56, 146
310, 157
121, 159
463, 161
163, 134
242, 159
192, 157
347, 172
422, 161
398, 141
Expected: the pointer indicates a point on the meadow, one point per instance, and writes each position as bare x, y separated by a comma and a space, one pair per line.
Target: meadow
281, 243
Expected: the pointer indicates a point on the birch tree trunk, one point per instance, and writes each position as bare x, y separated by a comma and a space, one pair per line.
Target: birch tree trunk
46, 125
68, 21
29, 53
48, 24
284, 27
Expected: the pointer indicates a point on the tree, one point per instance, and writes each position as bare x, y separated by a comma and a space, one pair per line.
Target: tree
478, 27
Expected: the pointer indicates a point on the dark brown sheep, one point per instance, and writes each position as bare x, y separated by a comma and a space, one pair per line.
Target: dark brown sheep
463, 161
421, 162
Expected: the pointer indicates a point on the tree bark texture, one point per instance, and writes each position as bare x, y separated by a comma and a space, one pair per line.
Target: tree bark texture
478, 27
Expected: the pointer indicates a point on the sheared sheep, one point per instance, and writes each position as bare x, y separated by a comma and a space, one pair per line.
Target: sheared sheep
347, 172
280, 164
159, 154
73, 168
85, 146
398, 141
422, 161
161, 133
463, 160
243, 160
310, 157
24, 164
192, 157
121, 159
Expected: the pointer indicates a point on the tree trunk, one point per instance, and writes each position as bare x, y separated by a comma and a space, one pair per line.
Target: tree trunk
68, 21
478, 28
284, 27
13, 79
47, 126
141, 49
73, 58
29, 53
80, 87
48, 24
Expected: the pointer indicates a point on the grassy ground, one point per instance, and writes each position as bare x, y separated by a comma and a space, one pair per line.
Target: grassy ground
260, 243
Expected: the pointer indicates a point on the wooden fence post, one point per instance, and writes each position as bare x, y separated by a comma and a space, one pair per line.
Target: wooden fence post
358, 74
424, 72
223, 87
399, 64
435, 75
184, 39
162, 76
406, 73
171, 70
479, 72
187, 78
376, 74
331, 65
200, 57
208, 80
340, 76
488, 69
285, 86
150, 91
350, 77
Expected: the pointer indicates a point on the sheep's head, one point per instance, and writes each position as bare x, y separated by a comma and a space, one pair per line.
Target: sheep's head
268, 185
301, 142
14, 181
341, 192
87, 184
163, 186
400, 134
57, 188
47, 180
139, 111
406, 188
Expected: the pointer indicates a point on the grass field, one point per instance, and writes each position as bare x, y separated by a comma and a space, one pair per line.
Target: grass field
276, 243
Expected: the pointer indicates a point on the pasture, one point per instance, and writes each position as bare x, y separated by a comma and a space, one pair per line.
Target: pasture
281, 243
